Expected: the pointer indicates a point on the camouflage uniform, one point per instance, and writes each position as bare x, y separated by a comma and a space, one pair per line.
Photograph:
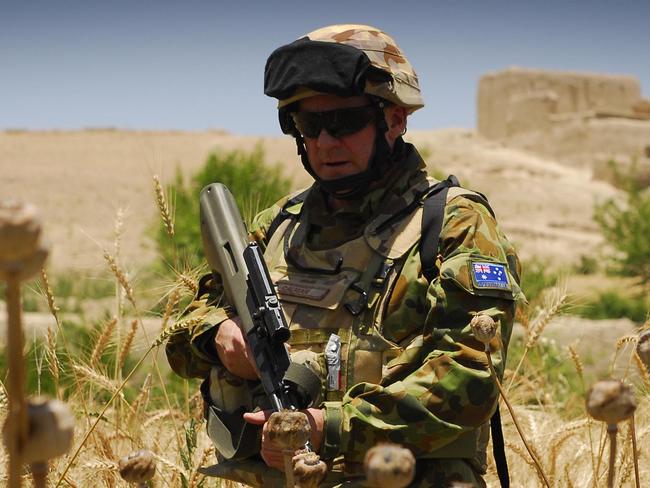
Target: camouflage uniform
412, 372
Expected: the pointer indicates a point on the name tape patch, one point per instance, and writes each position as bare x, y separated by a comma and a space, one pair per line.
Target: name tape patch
490, 275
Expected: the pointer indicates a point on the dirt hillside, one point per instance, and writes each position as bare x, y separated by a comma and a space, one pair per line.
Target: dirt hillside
80, 179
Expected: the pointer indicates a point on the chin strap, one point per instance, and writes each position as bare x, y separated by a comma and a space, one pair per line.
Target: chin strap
356, 185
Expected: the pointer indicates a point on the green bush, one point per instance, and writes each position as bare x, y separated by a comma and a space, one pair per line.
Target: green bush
612, 305
535, 278
588, 265
254, 185
550, 376
627, 228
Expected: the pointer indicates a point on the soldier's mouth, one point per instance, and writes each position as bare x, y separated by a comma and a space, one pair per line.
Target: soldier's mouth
336, 163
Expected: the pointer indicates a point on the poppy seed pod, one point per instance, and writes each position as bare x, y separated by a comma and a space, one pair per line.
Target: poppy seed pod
137, 467
22, 252
289, 429
483, 327
50, 431
610, 401
308, 470
389, 465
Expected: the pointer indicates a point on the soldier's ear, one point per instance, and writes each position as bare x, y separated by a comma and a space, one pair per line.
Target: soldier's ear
396, 119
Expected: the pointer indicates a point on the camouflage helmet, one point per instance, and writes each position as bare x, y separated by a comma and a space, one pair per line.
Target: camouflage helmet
401, 87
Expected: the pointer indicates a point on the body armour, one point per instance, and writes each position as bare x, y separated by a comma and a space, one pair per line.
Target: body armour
395, 352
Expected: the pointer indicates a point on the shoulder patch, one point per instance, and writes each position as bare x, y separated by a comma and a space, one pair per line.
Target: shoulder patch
490, 275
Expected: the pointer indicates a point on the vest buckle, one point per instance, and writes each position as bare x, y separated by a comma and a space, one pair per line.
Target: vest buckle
355, 308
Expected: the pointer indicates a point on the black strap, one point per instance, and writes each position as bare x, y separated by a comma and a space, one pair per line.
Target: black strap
284, 215
432, 217
498, 449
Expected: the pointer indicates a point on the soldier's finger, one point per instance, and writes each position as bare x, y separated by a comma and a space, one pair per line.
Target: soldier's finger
273, 459
257, 418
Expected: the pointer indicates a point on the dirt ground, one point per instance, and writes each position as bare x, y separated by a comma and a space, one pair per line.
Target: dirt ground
80, 179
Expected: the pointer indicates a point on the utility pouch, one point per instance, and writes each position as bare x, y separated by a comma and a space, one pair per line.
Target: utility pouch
226, 399
234, 438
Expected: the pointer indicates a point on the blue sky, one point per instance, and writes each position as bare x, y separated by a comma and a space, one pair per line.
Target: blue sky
199, 64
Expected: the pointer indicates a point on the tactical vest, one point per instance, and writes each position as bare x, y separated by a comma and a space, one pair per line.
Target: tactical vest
345, 291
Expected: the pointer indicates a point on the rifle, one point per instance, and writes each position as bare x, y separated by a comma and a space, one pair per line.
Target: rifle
249, 289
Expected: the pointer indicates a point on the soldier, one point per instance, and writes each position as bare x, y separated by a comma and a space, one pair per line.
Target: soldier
378, 277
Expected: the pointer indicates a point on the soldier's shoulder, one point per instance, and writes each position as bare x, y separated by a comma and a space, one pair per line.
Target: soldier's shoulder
263, 220
464, 202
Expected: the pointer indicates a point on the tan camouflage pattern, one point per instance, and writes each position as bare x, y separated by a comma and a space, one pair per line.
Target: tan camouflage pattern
384, 53
413, 372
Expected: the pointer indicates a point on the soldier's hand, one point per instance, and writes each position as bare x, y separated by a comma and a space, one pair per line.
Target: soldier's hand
272, 453
234, 351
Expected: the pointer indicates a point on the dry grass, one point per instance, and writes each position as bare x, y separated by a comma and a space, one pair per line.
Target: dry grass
565, 451
121, 411
568, 449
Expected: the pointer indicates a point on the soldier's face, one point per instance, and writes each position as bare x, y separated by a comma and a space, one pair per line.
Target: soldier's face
335, 157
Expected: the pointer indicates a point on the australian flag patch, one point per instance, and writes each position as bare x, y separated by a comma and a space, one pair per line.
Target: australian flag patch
490, 275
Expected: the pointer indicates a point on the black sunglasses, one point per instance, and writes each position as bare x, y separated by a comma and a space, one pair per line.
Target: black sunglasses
337, 123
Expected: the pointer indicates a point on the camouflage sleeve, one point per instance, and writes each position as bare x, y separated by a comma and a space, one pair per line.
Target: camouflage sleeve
190, 350
439, 388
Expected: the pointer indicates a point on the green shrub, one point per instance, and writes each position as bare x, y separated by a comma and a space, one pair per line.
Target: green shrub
588, 265
627, 228
613, 305
535, 278
550, 376
254, 185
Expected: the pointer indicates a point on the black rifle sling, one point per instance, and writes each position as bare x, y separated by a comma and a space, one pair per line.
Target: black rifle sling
284, 215
498, 449
432, 218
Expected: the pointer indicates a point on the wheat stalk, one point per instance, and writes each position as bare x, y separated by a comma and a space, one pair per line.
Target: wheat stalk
567, 476
189, 283
141, 400
102, 341
4, 397
175, 328
121, 277
165, 212
158, 417
643, 370
169, 464
526, 458
72, 459
100, 465
128, 342
105, 445
622, 341
204, 457
118, 230
54, 310
53, 359
575, 357
97, 378
172, 301
556, 301
555, 449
